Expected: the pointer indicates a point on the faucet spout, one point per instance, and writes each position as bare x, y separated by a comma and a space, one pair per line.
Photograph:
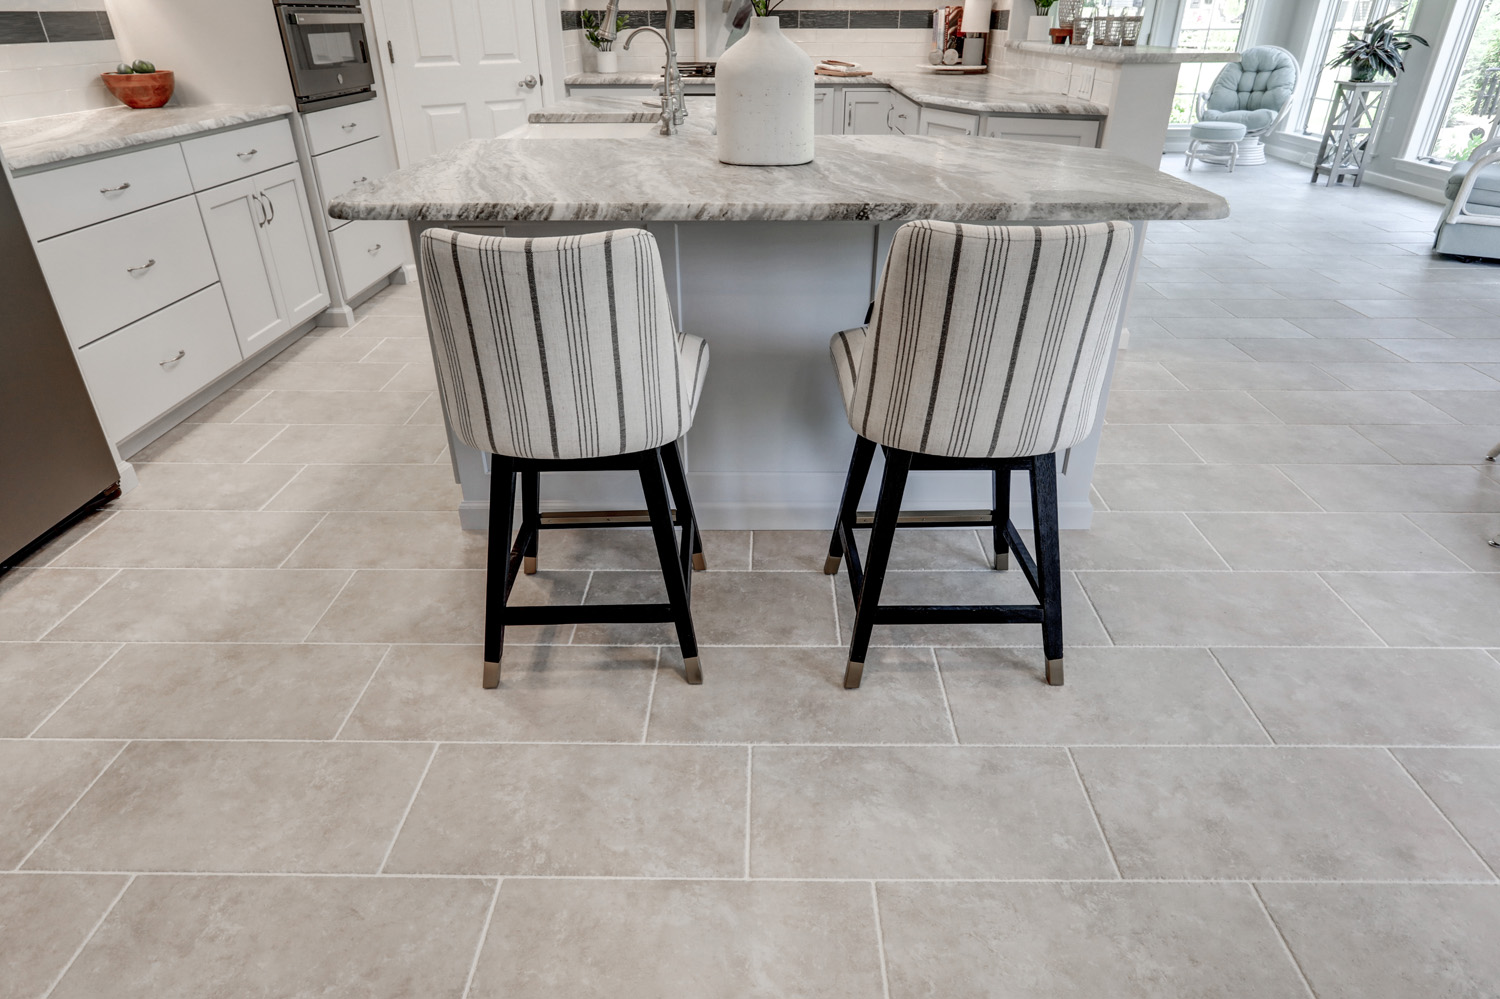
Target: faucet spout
673, 107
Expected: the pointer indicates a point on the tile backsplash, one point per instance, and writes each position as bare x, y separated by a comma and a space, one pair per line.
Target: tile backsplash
51, 55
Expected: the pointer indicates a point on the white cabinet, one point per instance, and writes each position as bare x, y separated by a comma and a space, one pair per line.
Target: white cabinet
905, 115
340, 170
368, 251
70, 197
867, 112
936, 121
332, 128
1058, 131
825, 111
219, 157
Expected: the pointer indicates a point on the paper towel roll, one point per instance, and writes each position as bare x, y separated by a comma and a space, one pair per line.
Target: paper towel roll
976, 17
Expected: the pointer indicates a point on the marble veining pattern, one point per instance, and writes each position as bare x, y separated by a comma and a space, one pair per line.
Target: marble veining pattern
852, 178
38, 142
1125, 55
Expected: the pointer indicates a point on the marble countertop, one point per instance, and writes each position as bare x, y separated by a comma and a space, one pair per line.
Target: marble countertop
40, 142
852, 178
1124, 55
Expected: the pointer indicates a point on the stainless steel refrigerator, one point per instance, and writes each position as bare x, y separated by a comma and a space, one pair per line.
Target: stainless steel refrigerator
55, 462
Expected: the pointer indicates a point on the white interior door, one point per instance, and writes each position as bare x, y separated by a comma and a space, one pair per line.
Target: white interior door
459, 70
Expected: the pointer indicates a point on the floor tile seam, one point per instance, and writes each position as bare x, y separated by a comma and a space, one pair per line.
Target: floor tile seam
484, 932
1270, 739
1088, 598
749, 802
742, 744
107, 515
1285, 944
89, 937
74, 804
95, 672
1409, 518
833, 595
74, 609
1322, 576
283, 563
386, 859
1439, 809
947, 705
251, 456
877, 645
750, 556
651, 696
1211, 546
885, 979
379, 662
330, 605
1094, 813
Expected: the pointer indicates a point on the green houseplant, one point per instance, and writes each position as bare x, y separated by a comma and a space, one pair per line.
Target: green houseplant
606, 60
1378, 51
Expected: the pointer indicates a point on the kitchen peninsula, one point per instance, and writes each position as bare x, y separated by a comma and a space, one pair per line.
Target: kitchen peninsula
766, 264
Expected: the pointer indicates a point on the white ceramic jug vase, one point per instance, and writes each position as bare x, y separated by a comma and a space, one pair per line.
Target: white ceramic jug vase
763, 87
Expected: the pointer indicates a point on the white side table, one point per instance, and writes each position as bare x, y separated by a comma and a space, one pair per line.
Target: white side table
1353, 127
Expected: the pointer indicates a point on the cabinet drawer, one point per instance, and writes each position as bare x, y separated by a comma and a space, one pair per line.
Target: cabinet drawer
220, 157
333, 128
341, 169
71, 197
935, 121
143, 370
1056, 131
113, 273
368, 251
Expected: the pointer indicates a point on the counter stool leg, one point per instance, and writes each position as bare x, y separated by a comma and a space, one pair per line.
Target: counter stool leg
867, 600
654, 484
497, 565
671, 460
999, 517
1048, 561
531, 517
854, 484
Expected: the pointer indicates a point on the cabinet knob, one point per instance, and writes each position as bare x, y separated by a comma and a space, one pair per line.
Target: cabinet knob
246, 156
111, 190
142, 267
174, 359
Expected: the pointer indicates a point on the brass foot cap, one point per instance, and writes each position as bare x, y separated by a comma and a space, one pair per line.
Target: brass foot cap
1002, 561
699, 564
693, 670
1055, 672
831, 565
528, 565
491, 676
853, 673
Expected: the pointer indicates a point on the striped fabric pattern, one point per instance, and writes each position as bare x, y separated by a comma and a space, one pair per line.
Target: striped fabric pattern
987, 341
558, 348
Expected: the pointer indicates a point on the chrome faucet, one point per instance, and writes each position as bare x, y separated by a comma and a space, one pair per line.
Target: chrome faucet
673, 108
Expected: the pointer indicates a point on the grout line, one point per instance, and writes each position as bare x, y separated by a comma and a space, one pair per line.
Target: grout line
89, 938
51, 563
1357, 615
1255, 890
1206, 541
484, 933
426, 397
1271, 739
942, 686
885, 981
1114, 861
102, 771
299, 544
368, 680
252, 454
69, 612
340, 593
749, 781
651, 695
833, 592
75, 690
1429, 535
750, 557
404, 815
1418, 784
1078, 581
272, 498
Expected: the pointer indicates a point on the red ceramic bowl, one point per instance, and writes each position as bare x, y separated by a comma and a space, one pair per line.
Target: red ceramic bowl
141, 90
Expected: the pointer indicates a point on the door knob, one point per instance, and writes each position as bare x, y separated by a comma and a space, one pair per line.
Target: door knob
529, 83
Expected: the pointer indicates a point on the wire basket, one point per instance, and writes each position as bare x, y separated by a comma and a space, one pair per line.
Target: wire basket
1130, 33
1067, 12
1109, 29
1083, 28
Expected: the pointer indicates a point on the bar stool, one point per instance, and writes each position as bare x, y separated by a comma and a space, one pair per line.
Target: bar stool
560, 354
988, 350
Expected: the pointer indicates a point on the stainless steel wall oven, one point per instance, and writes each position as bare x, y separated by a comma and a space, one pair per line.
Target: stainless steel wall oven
327, 52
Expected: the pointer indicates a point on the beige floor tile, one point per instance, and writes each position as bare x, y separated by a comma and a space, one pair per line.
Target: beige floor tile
418, 376
806, 551
403, 350
45, 554
1477, 409
1314, 541
1428, 445
928, 812
370, 487
1480, 327
429, 414
44, 918
1247, 374
1410, 376
1419, 608
39, 781
1384, 329
36, 677
189, 937
1112, 696
1244, 329
1269, 814
391, 540
32, 601
1198, 487
795, 695
1390, 941
631, 548
1240, 445
1415, 308
439, 607
405, 324
1371, 696
205, 487
547, 693
1079, 941
1131, 444
1459, 351
729, 608
207, 443
1132, 541
218, 692
329, 407
192, 540
343, 349
1228, 608
323, 376
1348, 406
1292, 308
204, 605
1186, 407
1465, 784
1143, 307
705, 939
1400, 488
306, 807
1132, 376
227, 406
1317, 350
1171, 349
334, 445
1466, 535
631, 811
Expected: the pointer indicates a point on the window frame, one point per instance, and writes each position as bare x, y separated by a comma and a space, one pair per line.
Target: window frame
1314, 63
1448, 64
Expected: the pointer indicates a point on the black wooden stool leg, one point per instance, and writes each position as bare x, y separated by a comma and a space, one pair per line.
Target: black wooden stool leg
653, 483
531, 517
854, 484
671, 460
867, 600
1000, 516
1048, 561
497, 565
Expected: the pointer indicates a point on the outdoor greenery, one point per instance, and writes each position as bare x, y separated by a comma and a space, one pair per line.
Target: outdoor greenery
1464, 127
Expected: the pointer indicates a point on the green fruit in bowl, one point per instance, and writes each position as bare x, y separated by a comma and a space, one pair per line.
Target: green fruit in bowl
124, 69
142, 66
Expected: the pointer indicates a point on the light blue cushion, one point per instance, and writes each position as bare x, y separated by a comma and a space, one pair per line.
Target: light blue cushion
1254, 90
1217, 131
1486, 188
1252, 120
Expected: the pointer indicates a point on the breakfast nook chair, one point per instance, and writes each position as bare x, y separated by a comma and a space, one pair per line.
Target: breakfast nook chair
987, 348
560, 354
1255, 92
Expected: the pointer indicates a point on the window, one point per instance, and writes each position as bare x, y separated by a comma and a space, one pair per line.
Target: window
1207, 26
1470, 114
1344, 17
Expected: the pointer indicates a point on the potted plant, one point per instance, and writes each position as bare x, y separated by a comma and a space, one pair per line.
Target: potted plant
1037, 27
606, 59
1378, 51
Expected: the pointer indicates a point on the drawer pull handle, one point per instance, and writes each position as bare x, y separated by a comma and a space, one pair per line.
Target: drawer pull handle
352, 124
246, 156
173, 360
111, 190
143, 267
374, 249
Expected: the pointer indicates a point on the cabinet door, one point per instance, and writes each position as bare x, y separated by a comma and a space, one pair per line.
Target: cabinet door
1058, 131
293, 245
824, 107
904, 115
867, 112
939, 122
235, 218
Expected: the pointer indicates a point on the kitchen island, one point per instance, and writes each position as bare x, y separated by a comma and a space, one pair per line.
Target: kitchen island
767, 263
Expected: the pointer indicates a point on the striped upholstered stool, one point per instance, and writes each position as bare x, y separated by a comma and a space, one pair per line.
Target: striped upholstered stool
987, 350
560, 354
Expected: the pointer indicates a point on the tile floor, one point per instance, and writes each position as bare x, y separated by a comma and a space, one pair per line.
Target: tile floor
244, 750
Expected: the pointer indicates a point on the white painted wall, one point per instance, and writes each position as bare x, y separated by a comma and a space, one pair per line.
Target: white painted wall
221, 50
